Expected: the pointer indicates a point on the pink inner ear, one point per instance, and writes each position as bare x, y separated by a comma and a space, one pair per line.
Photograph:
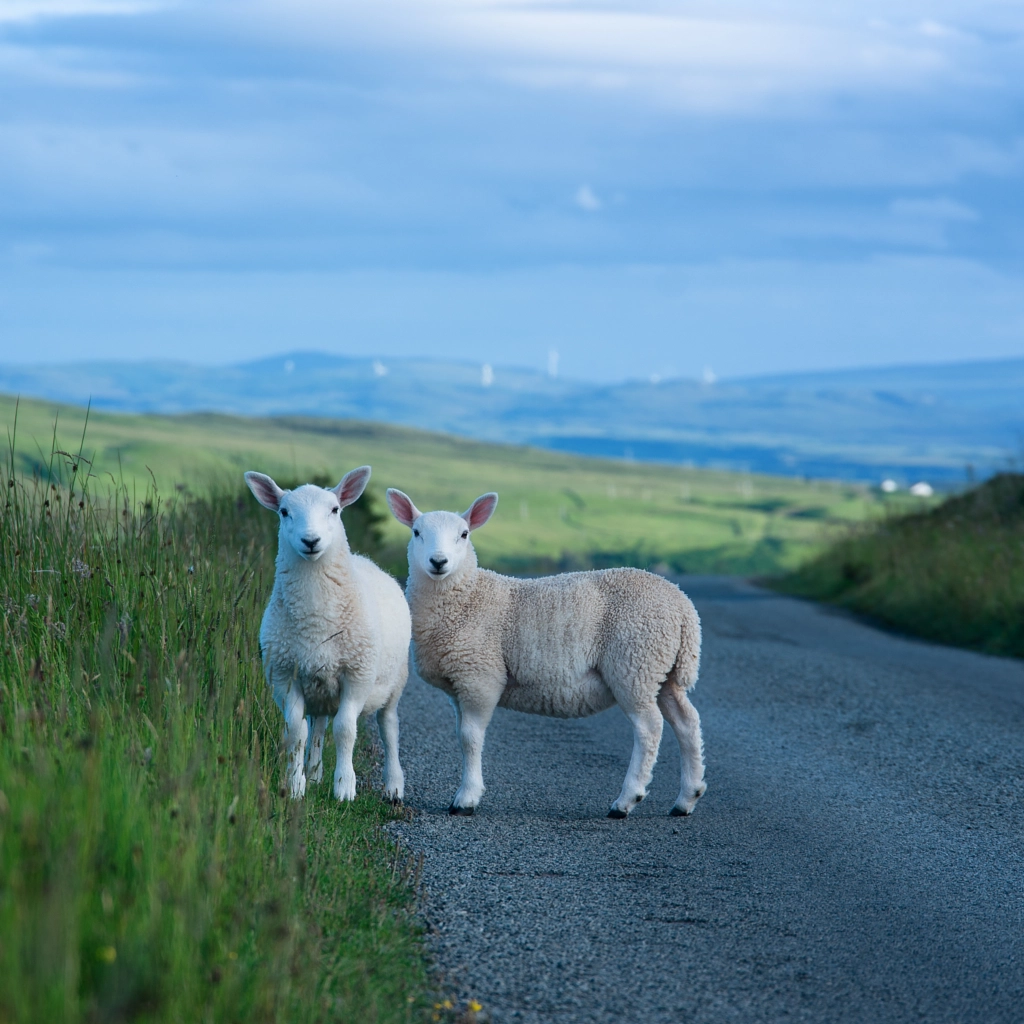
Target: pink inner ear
267, 492
353, 485
401, 507
481, 511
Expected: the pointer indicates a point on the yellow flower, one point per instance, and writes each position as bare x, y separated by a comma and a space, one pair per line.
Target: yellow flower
447, 1004
232, 956
107, 954
475, 1006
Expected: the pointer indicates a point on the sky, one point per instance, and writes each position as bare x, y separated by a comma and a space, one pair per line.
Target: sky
654, 188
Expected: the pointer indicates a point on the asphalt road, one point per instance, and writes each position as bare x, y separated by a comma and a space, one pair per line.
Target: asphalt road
858, 856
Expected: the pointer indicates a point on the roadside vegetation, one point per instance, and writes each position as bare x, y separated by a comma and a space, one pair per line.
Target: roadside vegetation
150, 867
954, 574
557, 511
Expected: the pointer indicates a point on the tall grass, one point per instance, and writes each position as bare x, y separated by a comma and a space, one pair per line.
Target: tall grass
151, 868
953, 574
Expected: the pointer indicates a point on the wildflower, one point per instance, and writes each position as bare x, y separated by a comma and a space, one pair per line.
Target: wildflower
475, 1006
80, 569
107, 954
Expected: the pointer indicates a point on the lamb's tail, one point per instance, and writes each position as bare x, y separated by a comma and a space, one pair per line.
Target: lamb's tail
687, 664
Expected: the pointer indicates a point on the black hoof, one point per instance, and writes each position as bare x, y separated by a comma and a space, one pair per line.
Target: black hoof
678, 812
616, 813
462, 812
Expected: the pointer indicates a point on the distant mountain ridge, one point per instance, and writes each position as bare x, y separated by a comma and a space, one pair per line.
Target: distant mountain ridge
906, 421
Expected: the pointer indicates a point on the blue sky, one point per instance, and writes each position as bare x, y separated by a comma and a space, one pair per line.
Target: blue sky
647, 188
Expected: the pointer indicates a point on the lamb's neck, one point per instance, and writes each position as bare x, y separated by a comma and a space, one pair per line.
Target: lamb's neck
442, 597
308, 587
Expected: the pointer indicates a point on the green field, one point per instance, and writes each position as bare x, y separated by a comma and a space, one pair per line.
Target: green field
556, 511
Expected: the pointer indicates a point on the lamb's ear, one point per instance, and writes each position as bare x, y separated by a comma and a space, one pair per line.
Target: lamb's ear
481, 510
352, 485
402, 507
268, 494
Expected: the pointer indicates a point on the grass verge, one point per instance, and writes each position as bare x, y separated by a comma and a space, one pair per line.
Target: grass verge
954, 574
150, 867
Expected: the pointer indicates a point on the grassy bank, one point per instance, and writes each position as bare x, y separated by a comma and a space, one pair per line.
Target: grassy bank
954, 574
557, 511
150, 867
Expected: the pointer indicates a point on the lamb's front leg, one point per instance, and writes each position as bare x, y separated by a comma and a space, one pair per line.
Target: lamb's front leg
345, 724
394, 777
296, 731
315, 757
473, 719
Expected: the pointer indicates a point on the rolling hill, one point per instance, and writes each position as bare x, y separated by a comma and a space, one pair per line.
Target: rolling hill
907, 422
557, 510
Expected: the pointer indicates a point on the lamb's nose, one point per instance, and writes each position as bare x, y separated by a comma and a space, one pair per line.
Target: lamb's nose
438, 563
311, 542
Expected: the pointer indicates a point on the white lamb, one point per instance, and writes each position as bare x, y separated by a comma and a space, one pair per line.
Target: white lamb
567, 646
335, 635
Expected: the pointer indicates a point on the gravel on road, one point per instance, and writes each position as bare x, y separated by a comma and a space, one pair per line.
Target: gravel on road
858, 856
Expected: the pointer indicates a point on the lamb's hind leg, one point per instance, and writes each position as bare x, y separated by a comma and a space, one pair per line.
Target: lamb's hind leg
296, 731
315, 755
647, 725
685, 722
387, 726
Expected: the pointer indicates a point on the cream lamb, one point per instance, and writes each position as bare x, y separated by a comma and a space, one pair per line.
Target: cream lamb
335, 635
567, 646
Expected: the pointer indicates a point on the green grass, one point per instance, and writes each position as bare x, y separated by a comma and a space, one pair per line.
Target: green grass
954, 574
557, 511
150, 867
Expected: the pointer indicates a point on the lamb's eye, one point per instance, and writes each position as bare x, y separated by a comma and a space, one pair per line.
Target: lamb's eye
415, 533
334, 511
465, 534
284, 512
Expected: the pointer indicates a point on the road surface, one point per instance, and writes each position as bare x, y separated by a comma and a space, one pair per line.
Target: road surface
858, 856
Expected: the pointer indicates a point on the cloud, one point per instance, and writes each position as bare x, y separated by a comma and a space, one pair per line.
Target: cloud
35, 10
585, 199
710, 58
332, 136
61, 66
941, 209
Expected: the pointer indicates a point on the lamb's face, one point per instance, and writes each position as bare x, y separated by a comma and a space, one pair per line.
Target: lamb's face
439, 544
310, 516
311, 522
440, 541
